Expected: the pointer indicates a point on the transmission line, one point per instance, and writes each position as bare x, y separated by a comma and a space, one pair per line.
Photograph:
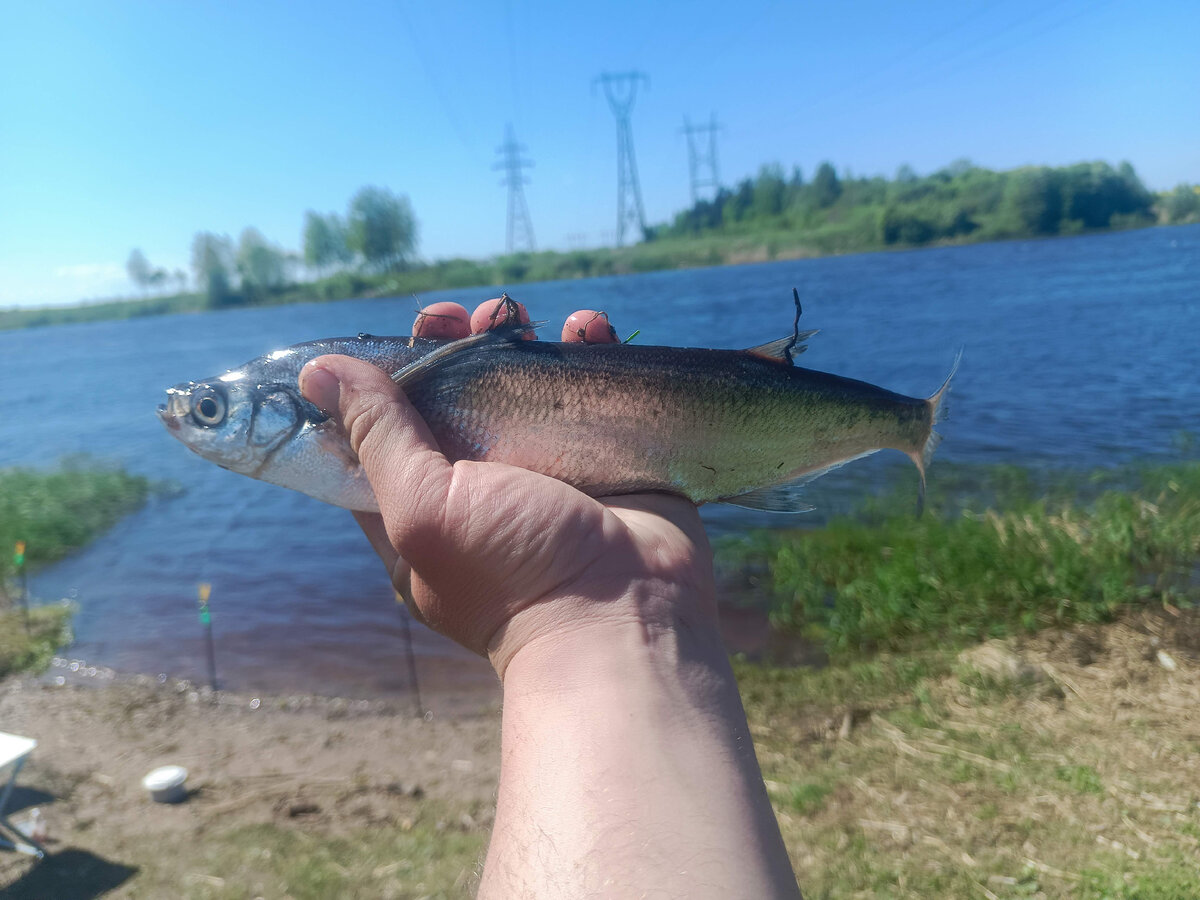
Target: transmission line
520, 228
621, 89
702, 161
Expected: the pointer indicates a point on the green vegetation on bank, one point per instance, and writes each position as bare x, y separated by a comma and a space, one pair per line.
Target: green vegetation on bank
59, 510
961, 202
27, 643
53, 512
370, 251
996, 555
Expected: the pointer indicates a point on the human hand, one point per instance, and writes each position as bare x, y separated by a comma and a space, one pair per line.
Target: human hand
621, 713
497, 557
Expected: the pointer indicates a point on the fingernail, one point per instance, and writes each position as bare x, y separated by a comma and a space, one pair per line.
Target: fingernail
320, 387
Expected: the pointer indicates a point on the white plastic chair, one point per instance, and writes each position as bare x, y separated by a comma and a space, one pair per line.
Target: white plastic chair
14, 750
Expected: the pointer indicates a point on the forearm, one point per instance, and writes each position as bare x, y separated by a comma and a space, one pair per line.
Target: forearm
628, 770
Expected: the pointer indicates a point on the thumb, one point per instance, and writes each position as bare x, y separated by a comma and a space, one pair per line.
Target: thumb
407, 471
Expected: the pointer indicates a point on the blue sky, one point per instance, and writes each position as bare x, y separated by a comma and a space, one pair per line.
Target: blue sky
137, 124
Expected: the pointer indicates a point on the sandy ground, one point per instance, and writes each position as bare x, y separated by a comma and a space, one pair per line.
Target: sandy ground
332, 764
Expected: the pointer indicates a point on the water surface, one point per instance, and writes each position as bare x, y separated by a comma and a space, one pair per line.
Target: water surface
1078, 352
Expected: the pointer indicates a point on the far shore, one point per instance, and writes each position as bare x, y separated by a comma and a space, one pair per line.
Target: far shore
503, 271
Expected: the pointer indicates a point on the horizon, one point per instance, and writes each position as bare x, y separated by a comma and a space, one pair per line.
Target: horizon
136, 126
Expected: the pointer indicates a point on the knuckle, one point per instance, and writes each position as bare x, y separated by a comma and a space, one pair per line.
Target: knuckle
368, 414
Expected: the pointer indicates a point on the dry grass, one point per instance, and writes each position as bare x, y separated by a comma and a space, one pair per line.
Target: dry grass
1068, 766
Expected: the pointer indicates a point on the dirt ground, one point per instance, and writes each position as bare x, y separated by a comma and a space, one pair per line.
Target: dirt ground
1062, 765
306, 762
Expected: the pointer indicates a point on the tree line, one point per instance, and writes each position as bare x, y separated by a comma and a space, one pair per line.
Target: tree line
959, 201
378, 234
372, 246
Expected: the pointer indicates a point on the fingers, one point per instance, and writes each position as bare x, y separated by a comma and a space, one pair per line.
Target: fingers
407, 470
497, 312
447, 320
401, 572
587, 326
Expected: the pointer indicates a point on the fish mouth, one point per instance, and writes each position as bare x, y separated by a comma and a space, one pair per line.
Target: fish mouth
168, 415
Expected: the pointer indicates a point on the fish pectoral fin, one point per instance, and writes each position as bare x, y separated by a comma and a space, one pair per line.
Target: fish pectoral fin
780, 498
784, 349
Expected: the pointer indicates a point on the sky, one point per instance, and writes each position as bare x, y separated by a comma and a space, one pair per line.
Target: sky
138, 124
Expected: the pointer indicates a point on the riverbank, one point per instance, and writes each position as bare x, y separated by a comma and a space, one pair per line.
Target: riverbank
1059, 765
507, 271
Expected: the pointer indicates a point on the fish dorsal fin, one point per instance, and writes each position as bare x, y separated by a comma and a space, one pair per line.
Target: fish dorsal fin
419, 368
785, 349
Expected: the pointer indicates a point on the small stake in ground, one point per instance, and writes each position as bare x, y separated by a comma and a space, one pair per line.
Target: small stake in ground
206, 621
19, 563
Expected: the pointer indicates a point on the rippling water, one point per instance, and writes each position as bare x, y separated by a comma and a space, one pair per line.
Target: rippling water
1078, 352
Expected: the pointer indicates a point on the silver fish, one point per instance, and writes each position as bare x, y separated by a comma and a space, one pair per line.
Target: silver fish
745, 427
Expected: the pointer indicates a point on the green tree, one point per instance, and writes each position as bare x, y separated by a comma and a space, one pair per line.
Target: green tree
381, 227
769, 189
139, 268
259, 263
325, 243
1182, 205
736, 206
825, 186
213, 266
1033, 202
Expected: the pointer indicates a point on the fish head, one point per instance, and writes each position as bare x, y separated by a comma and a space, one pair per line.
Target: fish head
267, 430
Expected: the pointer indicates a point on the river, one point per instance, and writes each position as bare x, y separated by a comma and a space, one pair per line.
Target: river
1077, 353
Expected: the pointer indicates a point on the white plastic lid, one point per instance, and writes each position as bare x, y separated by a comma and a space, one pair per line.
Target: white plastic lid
164, 778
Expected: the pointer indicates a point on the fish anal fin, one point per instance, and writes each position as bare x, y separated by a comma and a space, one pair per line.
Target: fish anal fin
784, 349
787, 496
779, 498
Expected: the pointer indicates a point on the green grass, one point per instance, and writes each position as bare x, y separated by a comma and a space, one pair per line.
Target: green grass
28, 644
53, 512
422, 861
59, 510
998, 558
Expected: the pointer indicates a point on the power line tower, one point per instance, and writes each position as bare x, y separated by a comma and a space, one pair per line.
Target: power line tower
701, 160
520, 228
621, 90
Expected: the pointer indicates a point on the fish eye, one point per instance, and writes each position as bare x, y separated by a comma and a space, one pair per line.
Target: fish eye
209, 409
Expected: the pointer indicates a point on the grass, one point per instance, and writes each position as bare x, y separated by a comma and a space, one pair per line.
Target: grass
59, 510
1003, 558
417, 859
53, 512
29, 649
938, 789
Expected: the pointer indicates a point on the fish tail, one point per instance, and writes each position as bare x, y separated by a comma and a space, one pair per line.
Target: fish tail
938, 409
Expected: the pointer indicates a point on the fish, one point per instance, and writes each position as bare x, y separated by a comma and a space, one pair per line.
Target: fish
744, 427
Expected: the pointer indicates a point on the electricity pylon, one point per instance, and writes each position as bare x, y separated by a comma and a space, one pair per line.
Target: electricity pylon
700, 159
621, 89
520, 228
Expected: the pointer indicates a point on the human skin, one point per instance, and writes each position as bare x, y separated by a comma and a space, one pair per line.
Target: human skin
627, 767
